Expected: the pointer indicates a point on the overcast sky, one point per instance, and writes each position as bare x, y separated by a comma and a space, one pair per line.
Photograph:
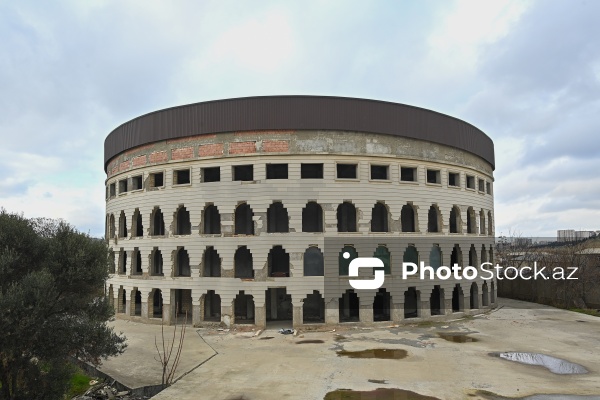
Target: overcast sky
527, 73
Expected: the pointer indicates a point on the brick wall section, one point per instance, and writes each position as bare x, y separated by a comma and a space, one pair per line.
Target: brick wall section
182, 154
158, 156
207, 150
139, 161
242, 147
276, 146
124, 166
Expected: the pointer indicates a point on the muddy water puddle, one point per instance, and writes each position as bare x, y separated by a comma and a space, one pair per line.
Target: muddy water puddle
266, 338
310, 341
387, 354
457, 337
553, 364
377, 394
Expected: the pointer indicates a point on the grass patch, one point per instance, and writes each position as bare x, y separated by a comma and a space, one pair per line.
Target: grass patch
80, 382
588, 311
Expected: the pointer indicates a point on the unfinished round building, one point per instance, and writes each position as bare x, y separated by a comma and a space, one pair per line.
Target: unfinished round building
250, 210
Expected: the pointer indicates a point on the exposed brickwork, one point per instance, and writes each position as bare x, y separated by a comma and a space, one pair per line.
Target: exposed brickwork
138, 149
114, 170
242, 147
139, 161
207, 150
281, 132
124, 166
276, 146
158, 156
182, 154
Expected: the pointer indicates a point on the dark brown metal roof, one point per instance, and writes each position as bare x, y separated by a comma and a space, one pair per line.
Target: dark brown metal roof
298, 113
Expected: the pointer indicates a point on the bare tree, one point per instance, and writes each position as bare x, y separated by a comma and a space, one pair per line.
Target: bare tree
164, 356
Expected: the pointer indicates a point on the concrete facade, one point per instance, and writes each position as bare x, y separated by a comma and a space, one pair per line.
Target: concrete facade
210, 288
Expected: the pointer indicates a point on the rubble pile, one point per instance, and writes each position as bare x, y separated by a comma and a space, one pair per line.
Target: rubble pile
104, 390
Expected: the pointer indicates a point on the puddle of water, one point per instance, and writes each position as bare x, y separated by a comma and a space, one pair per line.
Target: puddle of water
310, 341
457, 337
494, 396
339, 338
389, 354
379, 381
553, 364
266, 338
377, 394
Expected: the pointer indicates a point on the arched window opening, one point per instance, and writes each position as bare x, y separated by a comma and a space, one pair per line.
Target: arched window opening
182, 263
482, 222
433, 220
211, 220
158, 223
382, 306
474, 303
243, 308
122, 225
383, 254
278, 262
313, 262
411, 303
435, 257
471, 227
277, 219
473, 257
345, 256
407, 217
455, 220
379, 218
349, 307
157, 263
244, 225
312, 217
243, 263
346, 217
313, 308
436, 301
136, 268
136, 224
211, 263
183, 226
457, 299
212, 306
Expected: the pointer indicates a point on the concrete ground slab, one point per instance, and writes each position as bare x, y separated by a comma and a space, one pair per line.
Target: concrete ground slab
137, 367
256, 368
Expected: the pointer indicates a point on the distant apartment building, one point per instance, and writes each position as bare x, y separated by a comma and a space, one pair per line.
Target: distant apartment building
571, 235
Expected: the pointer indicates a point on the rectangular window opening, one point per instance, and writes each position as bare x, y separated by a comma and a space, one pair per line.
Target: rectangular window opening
481, 185
243, 173
277, 171
470, 182
408, 174
137, 182
211, 174
123, 186
181, 177
113, 189
433, 176
346, 171
380, 172
488, 187
453, 179
157, 179
311, 171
